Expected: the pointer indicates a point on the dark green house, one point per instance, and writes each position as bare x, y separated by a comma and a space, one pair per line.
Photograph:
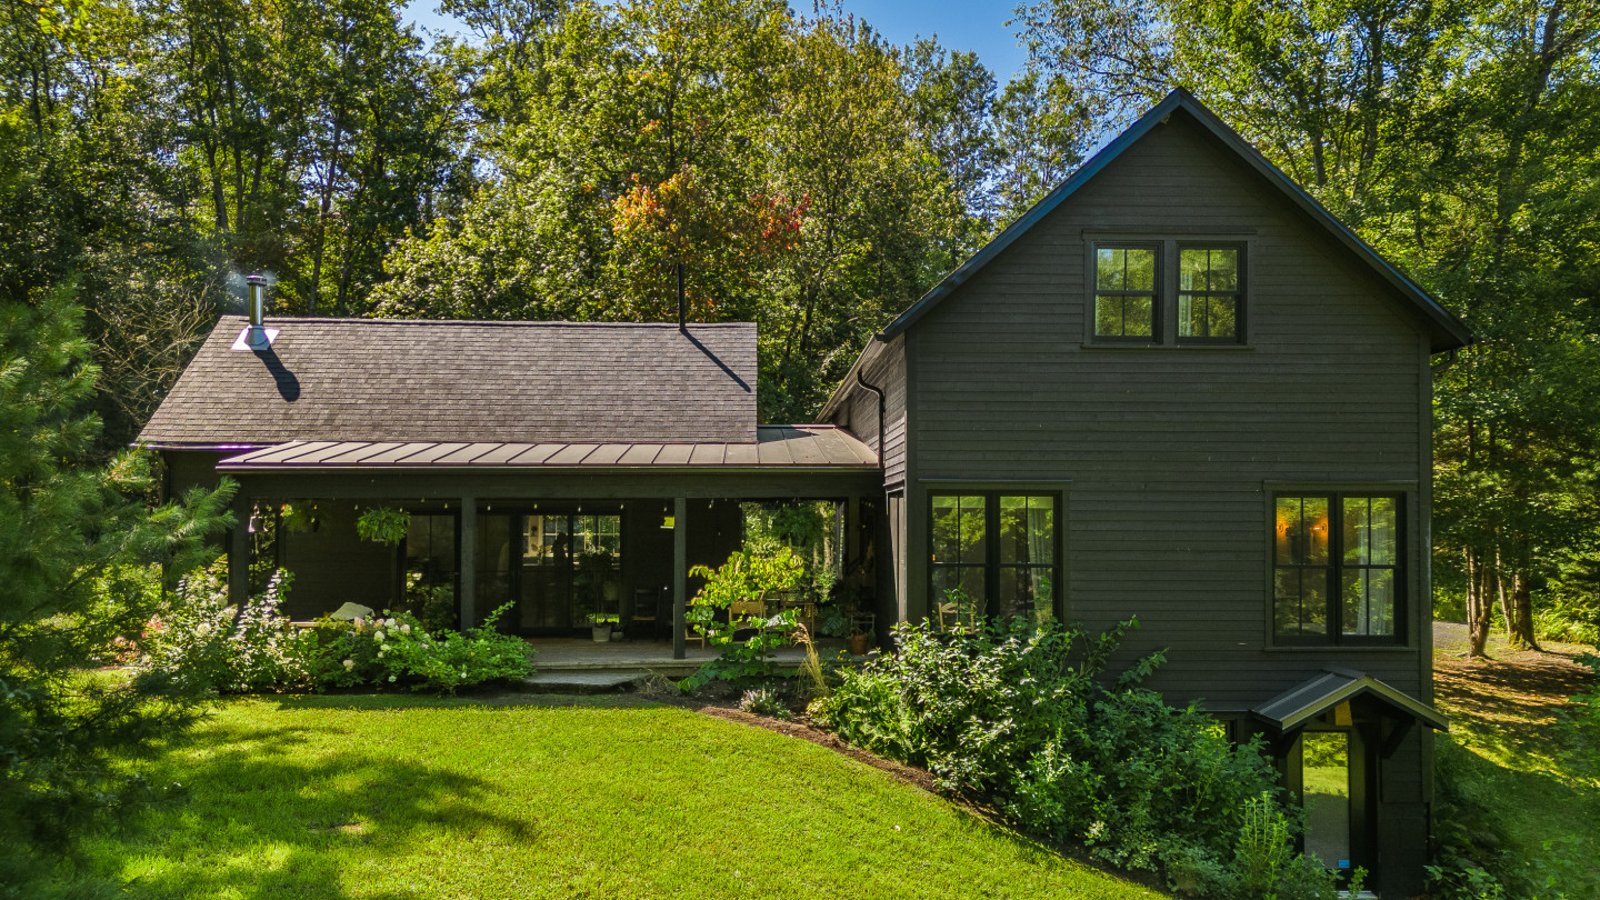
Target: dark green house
1176, 388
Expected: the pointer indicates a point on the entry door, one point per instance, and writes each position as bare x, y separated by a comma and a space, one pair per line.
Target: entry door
571, 566
546, 573
1336, 790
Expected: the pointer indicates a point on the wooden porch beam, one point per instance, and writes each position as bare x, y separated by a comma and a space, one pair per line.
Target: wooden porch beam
680, 576
239, 547
467, 563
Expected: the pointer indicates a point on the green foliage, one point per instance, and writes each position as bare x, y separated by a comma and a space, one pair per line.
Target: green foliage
1471, 854
397, 651
383, 525
779, 157
1022, 716
1588, 702
82, 558
764, 702
748, 577
198, 638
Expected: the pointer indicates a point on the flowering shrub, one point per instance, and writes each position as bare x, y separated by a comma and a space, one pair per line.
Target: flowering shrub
198, 640
396, 650
764, 702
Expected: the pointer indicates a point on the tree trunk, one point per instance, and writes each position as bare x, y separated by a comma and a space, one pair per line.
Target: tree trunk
1477, 606
1518, 604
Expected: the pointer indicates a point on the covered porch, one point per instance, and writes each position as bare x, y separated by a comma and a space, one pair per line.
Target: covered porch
560, 532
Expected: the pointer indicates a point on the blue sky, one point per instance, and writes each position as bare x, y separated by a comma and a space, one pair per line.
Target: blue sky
970, 25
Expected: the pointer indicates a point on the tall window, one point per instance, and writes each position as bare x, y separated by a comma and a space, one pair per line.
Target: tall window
1125, 307
1209, 292
994, 553
1337, 574
960, 558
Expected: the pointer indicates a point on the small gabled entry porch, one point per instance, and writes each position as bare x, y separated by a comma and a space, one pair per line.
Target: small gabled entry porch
558, 532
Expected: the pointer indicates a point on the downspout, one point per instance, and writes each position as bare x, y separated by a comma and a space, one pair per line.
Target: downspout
877, 392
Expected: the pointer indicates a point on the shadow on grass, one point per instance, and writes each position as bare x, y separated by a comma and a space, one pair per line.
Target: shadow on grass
258, 816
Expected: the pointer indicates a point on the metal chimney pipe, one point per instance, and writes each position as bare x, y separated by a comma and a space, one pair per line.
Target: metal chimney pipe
258, 300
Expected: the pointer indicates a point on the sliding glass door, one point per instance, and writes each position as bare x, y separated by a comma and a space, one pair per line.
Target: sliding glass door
557, 566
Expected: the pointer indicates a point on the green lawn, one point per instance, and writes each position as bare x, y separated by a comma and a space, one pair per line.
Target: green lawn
402, 797
1524, 757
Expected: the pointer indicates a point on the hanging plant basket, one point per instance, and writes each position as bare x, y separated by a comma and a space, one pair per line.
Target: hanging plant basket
383, 525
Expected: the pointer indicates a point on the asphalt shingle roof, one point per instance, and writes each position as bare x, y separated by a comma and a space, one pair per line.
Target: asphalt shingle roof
406, 380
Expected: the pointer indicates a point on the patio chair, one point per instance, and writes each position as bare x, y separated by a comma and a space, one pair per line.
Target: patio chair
646, 609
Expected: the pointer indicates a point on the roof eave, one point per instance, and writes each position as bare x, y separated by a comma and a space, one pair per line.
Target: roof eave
1354, 685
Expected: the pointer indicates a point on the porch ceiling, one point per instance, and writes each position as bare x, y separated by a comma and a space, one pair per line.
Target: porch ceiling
777, 447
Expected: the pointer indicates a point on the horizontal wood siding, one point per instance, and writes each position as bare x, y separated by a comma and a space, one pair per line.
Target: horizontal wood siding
884, 368
1168, 451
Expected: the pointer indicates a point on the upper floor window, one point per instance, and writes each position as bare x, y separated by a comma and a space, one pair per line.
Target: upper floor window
1168, 292
1337, 569
1126, 306
1209, 294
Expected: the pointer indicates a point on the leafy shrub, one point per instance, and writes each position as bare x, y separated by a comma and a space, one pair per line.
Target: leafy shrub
1568, 619
1025, 716
198, 639
396, 650
764, 702
746, 576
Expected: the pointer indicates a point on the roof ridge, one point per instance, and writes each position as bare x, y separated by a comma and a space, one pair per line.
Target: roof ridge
517, 323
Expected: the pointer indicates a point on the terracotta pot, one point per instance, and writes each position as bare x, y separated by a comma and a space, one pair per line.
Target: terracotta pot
858, 644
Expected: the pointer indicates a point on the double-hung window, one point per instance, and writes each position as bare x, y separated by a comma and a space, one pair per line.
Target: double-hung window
1210, 289
1337, 568
994, 552
1169, 292
1126, 301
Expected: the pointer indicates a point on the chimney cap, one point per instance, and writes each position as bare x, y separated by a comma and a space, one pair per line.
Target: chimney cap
255, 278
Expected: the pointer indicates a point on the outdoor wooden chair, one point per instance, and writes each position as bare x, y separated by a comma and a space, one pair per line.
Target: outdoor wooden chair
646, 611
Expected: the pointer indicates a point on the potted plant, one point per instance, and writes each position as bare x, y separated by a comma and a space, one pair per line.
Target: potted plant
859, 624
860, 638
602, 624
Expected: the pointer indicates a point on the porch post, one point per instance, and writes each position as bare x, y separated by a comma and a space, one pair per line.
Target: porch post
467, 563
239, 552
680, 576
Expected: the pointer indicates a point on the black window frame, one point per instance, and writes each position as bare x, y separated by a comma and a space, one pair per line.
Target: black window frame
1334, 589
1240, 293
1157, 309
991, 563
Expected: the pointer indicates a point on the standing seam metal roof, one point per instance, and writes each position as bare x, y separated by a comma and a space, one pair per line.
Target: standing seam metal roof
822, 447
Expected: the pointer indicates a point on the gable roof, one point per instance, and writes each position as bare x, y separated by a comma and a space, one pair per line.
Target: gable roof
1447, 331
1312, 698
411, 380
